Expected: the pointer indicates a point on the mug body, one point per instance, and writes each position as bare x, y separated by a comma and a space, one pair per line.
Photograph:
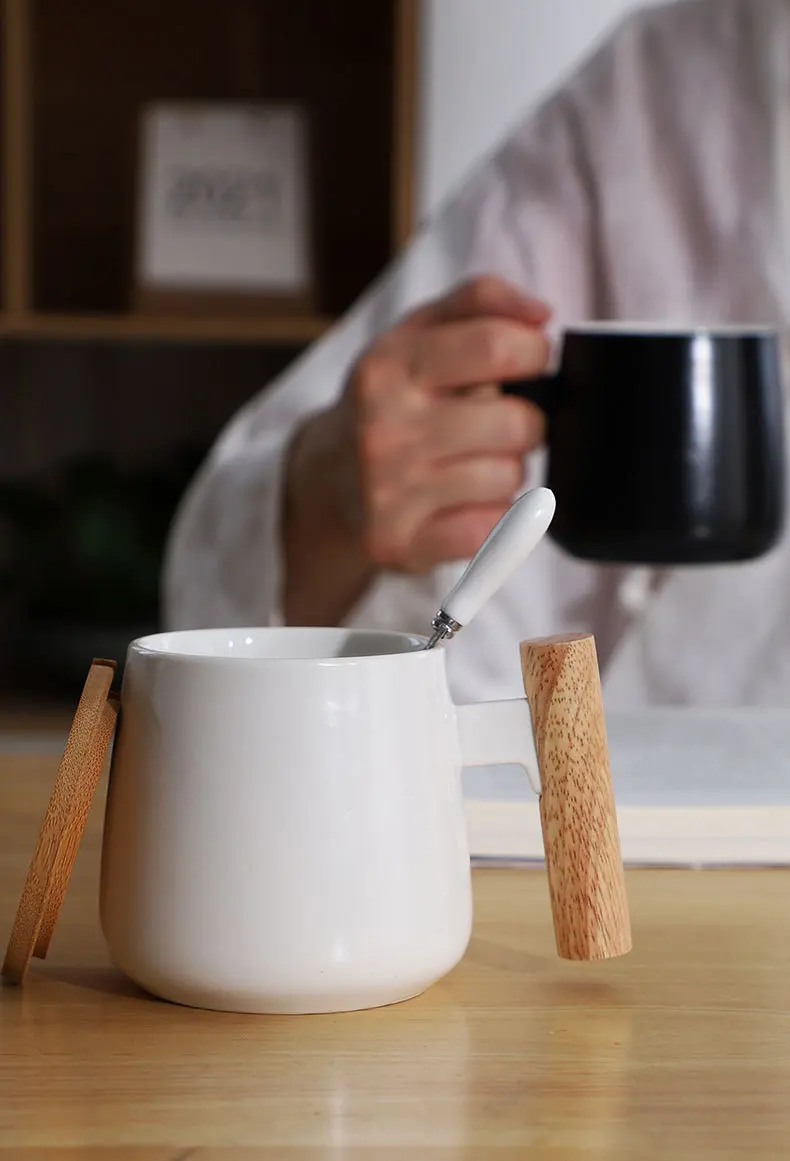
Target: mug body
285, 828
667, 447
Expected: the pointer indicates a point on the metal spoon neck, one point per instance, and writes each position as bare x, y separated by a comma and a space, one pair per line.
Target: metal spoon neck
444, 629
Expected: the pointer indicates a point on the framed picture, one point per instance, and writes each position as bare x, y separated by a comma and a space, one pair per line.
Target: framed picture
223, 214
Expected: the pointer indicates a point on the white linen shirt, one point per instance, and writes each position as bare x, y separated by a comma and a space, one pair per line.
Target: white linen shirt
653, 186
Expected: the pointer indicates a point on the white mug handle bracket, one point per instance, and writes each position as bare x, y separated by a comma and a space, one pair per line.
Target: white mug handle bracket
499, 733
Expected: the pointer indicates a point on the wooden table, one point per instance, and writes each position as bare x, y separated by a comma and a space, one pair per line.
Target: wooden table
681, 1050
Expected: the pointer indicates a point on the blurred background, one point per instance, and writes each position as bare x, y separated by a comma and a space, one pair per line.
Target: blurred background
110, 398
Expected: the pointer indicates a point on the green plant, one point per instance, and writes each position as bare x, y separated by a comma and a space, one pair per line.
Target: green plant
87, 547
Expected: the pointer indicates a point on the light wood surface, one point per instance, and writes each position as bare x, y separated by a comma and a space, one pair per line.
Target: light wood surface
577, 811
679, 1051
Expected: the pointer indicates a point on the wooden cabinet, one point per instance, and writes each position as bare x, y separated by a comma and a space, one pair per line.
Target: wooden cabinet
75, 77
107, 409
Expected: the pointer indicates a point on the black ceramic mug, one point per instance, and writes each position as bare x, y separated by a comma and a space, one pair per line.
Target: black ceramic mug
665, 447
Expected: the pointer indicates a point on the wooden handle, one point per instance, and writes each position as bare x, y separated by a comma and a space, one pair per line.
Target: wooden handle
577, 809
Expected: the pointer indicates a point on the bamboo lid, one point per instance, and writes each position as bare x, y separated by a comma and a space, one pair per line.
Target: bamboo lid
64, 822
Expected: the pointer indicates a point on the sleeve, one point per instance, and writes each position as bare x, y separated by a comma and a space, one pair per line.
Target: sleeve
526, 214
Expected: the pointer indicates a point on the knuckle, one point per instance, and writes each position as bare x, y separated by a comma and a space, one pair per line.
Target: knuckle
496, 344
511, 350
393, 447
485, 290
375, 374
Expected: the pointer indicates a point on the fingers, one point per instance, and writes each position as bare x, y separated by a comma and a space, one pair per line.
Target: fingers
482, 297
479, 426
440, 451
456, 355
462, 354
402, 438
400, 513
478, 480
452, 536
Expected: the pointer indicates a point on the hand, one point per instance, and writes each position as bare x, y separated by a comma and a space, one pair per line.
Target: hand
440, 450
423, 454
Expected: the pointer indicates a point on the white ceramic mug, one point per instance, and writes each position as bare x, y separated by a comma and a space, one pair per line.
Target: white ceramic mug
285, 828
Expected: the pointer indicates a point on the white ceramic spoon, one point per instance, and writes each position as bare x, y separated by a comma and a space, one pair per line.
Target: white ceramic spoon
508, 543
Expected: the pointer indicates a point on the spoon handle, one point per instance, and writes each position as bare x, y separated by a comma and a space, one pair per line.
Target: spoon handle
508, 543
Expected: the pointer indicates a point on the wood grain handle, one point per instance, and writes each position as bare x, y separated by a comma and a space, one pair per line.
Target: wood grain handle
577, 809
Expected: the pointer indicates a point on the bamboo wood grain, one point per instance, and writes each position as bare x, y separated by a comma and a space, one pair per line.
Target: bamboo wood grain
577, 808
63, 825
92, 767
680, 1050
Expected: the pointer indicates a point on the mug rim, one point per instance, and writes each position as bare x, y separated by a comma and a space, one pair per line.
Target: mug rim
664, 330
161, 645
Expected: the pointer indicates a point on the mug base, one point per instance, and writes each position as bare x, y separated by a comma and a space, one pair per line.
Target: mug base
282, 1005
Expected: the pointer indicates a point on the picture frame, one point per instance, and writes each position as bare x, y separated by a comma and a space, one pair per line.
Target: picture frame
223, 219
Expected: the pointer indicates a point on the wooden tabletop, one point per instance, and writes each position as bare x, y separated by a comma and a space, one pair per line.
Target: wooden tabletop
681, 1050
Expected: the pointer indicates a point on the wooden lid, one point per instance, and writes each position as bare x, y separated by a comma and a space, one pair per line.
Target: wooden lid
64, 822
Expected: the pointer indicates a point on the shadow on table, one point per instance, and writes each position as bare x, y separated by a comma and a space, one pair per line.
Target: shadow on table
507, 959
106, 980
